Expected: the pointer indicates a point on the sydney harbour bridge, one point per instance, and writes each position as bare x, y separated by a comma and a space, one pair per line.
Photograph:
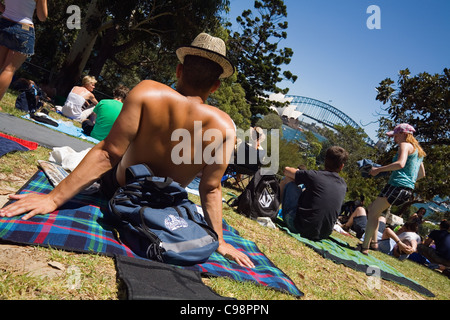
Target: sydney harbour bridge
322, 112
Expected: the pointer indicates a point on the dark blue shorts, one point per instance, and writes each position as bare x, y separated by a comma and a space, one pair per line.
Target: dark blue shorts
289, 205
17, 37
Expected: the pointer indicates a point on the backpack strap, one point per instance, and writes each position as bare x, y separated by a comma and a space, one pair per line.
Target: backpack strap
143, 172
137, 172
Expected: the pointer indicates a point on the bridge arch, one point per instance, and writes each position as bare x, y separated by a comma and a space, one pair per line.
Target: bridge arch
323, 112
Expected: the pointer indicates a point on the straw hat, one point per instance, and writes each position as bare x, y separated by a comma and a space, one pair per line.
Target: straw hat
211, 48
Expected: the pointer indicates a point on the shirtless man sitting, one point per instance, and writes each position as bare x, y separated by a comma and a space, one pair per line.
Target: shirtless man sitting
143, 132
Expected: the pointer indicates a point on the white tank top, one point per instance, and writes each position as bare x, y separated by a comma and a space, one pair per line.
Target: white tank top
73, 107
21, 11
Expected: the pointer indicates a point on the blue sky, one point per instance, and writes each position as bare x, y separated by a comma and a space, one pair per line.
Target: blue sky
340, 61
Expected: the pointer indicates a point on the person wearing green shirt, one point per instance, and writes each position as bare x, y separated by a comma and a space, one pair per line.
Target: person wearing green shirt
106, 112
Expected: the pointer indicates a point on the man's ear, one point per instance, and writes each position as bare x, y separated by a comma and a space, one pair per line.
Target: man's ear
179, 70
215, 86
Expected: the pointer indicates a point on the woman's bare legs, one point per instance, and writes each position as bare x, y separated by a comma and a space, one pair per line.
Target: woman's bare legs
10, 62
375, 209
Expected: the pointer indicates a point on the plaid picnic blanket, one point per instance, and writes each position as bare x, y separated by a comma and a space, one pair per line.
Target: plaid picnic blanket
341, 252
80, 226
265, 272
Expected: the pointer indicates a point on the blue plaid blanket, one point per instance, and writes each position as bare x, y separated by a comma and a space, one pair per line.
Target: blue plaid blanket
80, 226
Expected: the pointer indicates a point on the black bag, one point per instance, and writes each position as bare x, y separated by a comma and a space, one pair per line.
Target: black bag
261, 197
29, 100
157, 221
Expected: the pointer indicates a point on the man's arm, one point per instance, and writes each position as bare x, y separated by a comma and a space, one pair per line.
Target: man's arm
99, 160
391, 234
211, 198
290, 173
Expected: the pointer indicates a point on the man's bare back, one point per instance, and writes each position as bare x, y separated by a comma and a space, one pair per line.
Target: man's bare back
163, 112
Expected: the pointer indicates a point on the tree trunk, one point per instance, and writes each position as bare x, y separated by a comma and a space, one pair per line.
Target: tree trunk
76, 60
106, 51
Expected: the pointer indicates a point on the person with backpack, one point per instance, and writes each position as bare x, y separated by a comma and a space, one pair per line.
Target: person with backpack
146, 131
313, 212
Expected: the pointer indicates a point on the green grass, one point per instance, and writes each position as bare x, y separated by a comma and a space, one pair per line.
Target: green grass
83, 277
318, 278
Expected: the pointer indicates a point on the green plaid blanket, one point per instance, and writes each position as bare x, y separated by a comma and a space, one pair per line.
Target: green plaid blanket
342, 253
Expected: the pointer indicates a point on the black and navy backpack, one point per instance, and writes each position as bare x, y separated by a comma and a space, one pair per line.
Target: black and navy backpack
156, 220
260, 198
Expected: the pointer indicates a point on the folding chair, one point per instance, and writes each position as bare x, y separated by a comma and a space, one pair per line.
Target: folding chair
248, 167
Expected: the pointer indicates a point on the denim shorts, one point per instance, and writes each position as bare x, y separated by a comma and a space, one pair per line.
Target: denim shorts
289, 206
17, 37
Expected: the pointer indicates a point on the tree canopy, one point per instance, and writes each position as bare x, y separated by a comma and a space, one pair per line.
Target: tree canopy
254, 49
121, 40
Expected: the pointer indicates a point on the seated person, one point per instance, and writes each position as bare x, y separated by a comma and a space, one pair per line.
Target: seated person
357, 221
402, 243
418, 216
314, 211
441, 238
106, 113
249, 155
78, 103
348, 208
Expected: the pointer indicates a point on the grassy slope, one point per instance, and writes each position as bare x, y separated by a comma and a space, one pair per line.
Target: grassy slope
317, 277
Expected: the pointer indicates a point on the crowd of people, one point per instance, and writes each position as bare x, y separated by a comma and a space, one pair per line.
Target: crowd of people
403, 241
148, 115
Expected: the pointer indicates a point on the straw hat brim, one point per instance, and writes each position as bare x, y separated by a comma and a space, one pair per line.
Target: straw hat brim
224, 62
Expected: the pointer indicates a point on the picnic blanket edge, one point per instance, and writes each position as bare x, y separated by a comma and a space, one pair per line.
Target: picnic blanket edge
363, 268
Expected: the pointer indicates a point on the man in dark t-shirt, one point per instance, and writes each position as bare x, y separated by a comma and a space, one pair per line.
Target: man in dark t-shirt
314, 211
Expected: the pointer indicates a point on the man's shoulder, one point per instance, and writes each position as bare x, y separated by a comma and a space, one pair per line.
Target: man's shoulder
150, 85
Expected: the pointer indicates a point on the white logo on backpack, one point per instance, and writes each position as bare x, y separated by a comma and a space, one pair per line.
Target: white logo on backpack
265, 199
173, 222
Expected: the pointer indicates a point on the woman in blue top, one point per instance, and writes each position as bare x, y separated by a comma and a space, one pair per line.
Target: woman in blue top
407, 167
